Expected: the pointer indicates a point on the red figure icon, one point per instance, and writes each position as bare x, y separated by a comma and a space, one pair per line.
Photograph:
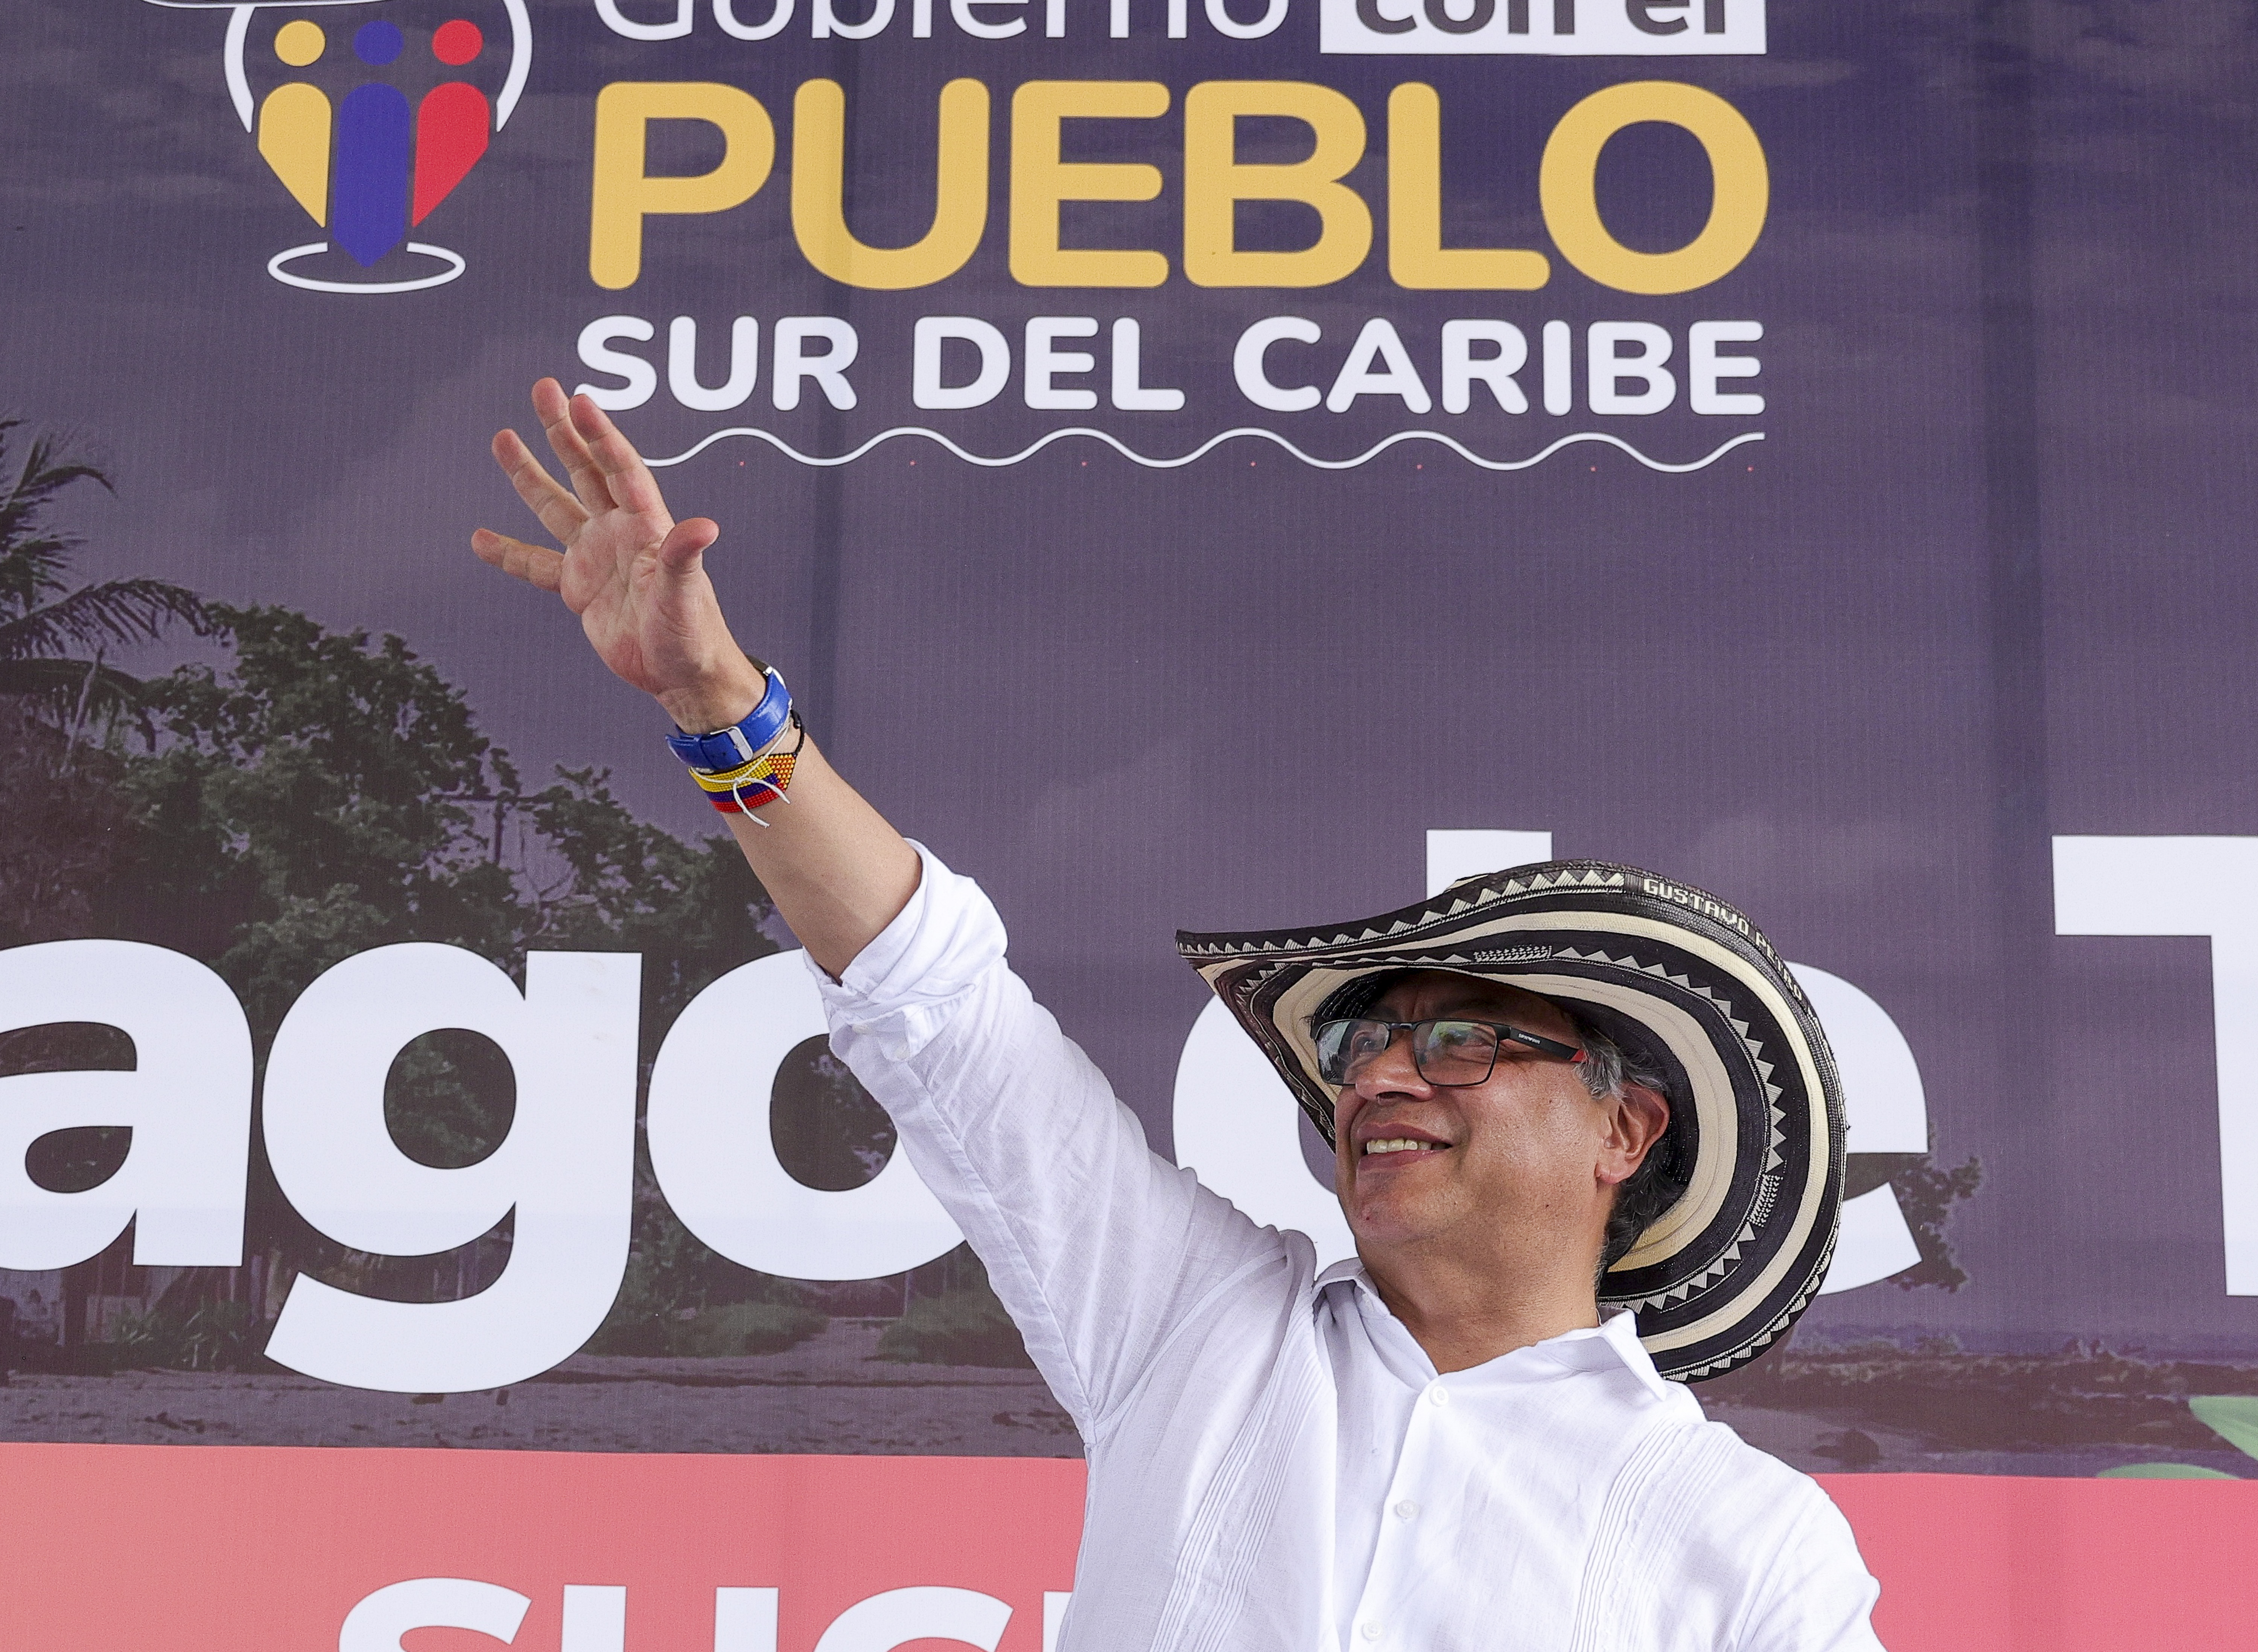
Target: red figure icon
453, 123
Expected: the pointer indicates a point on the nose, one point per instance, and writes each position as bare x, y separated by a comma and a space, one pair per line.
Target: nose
1393, 1072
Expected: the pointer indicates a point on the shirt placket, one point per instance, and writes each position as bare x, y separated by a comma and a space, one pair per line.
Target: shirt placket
1378, 1623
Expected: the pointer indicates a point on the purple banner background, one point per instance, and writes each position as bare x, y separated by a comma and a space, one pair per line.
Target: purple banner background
1983, 582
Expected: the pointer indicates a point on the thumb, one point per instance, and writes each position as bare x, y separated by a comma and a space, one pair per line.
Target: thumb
682, 553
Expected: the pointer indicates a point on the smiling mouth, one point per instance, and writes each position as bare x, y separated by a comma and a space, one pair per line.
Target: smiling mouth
1401, 1145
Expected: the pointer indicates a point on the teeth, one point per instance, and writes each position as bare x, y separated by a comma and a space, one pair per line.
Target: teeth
1399, 1145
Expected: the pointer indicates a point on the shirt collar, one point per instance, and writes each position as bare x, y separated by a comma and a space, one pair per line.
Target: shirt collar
1615, 1340
1619, 1331
1350, 1267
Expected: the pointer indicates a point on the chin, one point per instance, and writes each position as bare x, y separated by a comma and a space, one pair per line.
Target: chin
1392, 1218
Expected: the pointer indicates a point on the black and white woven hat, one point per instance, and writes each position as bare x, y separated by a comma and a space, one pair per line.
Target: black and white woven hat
1757, 1122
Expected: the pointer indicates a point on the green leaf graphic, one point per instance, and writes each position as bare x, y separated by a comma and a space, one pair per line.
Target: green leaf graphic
2233, 1415
2162, 1472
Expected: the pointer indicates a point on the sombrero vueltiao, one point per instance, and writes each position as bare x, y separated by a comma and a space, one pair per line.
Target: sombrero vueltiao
1722, 1273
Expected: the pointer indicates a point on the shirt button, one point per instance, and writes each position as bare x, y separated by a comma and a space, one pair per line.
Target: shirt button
1407, 1509
1439, 1395
1370, 1631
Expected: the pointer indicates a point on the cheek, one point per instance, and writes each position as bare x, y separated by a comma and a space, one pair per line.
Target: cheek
1541, 1138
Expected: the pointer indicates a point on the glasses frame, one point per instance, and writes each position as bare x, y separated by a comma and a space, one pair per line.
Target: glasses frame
1507, 1034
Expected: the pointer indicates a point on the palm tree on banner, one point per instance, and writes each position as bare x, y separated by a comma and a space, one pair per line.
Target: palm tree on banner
47, 628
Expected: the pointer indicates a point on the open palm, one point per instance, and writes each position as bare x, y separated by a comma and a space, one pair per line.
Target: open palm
634, 575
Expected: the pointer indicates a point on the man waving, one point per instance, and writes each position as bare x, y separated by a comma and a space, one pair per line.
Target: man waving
1588, 1139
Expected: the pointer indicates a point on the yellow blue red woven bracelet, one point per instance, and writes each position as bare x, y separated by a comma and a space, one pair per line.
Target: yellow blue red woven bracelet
753, 785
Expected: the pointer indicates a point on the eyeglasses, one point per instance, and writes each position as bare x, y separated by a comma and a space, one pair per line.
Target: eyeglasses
1446, 1052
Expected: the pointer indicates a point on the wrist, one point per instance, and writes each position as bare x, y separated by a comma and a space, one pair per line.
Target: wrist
720, 701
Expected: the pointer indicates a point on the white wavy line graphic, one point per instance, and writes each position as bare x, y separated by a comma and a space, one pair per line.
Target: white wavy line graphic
1207, 446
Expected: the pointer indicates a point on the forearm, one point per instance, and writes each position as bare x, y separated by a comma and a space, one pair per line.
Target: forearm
837, 871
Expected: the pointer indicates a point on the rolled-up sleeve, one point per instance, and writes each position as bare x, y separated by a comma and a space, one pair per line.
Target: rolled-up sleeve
1096, 1245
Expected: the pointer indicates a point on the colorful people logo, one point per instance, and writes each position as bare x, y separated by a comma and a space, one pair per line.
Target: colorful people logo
370, 160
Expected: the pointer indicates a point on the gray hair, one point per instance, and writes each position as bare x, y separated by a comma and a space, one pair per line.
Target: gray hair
1608, 1070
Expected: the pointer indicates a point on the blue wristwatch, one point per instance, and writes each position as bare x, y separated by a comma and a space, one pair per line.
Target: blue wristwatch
727, 749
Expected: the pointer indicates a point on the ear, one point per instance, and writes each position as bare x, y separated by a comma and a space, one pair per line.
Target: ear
1635, 1123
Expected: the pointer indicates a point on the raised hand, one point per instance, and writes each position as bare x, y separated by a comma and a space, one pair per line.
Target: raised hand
837, 872
634, 575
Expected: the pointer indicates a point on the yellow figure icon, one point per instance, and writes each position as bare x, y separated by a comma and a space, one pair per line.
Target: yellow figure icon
294, 123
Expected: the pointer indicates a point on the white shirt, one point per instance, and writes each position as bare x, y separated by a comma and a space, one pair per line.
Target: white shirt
1274, 1465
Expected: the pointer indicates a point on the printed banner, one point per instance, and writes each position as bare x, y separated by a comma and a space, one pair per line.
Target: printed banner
1231, 465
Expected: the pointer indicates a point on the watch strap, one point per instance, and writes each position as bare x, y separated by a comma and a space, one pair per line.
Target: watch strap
733, 747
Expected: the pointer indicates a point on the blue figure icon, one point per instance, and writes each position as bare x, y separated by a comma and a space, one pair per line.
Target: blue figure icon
375, 144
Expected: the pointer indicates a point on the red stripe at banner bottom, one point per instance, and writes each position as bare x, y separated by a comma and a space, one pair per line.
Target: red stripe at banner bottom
245, 1549
2002, 1564
124, 1548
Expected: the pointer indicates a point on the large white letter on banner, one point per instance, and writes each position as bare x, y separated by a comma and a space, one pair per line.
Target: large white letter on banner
899, 1616
744, 1620
378, 1620
1452, 855
186, 1100
595, 1618
672, 28
1238, 1129
2189, 886
706, 1125
566, 1167
1888, 1111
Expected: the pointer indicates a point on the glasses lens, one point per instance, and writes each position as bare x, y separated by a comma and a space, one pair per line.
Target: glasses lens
1343, 1046
1455, 1052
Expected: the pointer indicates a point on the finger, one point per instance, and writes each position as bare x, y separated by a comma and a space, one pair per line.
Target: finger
560, 512
683, 551
572, 452
587, 477
629, 480
548, 399
535, 564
